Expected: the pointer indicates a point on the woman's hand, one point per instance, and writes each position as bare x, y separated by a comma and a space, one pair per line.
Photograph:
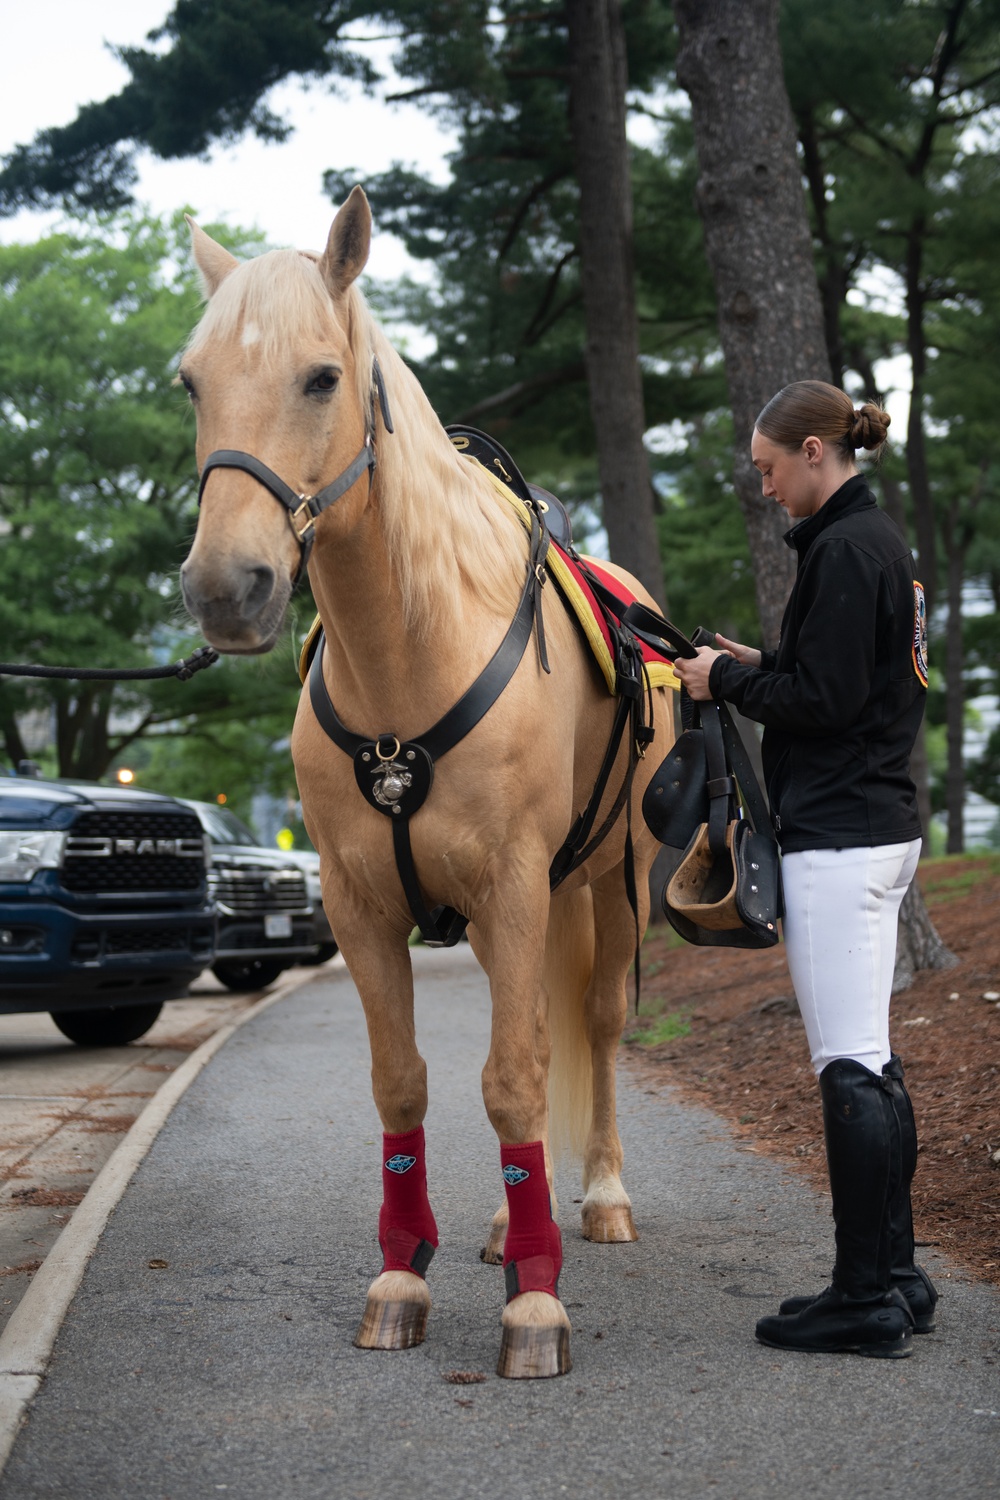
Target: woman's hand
747, 656
694, 671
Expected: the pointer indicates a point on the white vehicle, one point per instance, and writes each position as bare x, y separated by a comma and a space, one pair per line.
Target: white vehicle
265, 911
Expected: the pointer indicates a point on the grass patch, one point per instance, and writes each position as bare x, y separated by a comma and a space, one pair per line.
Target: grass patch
668, 1028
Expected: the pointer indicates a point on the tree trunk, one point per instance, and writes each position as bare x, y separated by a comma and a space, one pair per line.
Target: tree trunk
918, 946
758, 243
771, 319
13, 743
916, 448
920, 770
598, 80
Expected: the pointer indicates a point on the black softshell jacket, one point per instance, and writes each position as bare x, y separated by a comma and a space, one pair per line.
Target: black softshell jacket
842, 697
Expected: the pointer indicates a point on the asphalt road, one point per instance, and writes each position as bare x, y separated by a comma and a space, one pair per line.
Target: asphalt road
230, 1370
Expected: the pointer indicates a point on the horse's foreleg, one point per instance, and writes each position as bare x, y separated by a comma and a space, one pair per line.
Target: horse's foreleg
492, 1251
535, 1327
535, 1339
398, 1301
607, 1212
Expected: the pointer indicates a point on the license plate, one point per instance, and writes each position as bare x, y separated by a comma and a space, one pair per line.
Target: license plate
277, 924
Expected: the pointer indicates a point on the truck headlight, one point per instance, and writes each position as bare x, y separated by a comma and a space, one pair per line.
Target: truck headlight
22, 854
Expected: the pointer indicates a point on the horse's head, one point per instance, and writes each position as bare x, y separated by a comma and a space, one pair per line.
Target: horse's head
274, 372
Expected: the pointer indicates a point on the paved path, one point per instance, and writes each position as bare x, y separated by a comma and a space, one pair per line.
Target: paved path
230, 1370
64, 1110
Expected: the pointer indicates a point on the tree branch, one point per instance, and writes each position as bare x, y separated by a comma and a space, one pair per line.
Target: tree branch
538, 190
535, 384
541, 322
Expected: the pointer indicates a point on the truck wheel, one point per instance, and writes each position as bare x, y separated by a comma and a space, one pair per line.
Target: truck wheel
323, 954
111, 1026
248, 974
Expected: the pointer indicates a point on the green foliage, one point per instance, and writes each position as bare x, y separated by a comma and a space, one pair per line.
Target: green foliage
703, 543
232, 737
505, 310
98, 488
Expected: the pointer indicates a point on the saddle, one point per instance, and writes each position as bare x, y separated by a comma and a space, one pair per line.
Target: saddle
497, 461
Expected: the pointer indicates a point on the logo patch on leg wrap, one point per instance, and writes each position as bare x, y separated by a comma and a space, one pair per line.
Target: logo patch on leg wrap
513, 1175
401, 1164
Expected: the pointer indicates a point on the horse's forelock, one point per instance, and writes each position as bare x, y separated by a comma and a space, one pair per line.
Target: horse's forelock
283, 299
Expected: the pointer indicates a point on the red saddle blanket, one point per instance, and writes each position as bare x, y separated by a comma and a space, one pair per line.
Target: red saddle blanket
575, 589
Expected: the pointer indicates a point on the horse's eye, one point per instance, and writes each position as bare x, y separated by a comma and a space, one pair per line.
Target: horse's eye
188, 385
324, 382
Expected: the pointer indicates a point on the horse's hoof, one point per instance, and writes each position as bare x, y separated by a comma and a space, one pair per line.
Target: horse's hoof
391, 1325
609, 1224
395, 1315
534, 1353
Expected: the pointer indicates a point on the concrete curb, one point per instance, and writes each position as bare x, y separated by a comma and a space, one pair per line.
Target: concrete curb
27, 1342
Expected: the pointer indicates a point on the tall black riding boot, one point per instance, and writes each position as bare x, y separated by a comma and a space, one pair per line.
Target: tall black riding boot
859, 1313
904, 1275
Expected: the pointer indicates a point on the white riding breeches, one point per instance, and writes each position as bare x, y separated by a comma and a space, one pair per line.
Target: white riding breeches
841, 918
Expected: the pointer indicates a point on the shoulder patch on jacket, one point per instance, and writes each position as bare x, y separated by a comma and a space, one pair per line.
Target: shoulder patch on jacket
920, 632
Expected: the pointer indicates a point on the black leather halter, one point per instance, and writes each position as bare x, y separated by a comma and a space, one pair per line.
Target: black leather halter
303, 509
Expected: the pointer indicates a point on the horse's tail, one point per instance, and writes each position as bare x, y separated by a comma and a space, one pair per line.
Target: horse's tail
569, 961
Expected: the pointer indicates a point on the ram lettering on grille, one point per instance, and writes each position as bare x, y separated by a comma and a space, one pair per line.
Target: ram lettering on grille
105, 848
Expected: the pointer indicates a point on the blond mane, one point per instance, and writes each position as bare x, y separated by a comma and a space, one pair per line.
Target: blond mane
446, 528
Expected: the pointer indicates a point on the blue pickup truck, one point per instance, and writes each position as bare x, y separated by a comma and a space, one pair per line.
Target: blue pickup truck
104, 905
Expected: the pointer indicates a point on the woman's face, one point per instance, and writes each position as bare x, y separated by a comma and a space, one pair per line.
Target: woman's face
792, 478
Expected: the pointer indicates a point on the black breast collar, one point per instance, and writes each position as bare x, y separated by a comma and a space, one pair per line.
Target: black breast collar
396, 775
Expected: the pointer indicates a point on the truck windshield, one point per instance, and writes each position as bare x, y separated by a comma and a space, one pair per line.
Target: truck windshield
224, 827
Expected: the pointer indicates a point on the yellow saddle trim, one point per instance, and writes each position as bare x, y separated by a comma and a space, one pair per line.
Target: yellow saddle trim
661, 674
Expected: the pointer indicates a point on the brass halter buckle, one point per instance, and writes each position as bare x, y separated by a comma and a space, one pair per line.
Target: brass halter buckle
302, 536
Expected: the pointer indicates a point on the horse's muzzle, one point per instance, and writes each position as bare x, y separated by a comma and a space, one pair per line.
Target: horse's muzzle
240, 609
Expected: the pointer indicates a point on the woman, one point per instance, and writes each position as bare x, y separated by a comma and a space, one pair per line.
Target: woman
841, 701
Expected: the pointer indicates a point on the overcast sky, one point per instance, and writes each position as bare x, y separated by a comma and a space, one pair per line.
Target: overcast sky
53, 59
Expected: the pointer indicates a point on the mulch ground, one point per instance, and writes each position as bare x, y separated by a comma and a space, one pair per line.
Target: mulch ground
738, 1046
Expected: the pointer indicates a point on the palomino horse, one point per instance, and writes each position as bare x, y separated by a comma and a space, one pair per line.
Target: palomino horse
417, 571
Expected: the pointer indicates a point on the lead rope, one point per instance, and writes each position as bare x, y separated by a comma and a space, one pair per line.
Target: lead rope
203, 657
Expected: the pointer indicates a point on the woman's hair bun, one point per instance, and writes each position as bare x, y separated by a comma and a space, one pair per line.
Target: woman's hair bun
870, 426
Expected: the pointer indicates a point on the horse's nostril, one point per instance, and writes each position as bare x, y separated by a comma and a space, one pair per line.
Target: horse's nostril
258, 590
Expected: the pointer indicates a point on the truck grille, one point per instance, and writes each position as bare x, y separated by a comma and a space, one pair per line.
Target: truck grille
146, 942
134, 851
256, 890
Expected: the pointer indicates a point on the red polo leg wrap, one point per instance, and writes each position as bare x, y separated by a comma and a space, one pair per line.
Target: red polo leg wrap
532, 1252
407, 1232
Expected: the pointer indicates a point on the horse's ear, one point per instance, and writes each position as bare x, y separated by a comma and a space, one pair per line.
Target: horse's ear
213, 262
350, 240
